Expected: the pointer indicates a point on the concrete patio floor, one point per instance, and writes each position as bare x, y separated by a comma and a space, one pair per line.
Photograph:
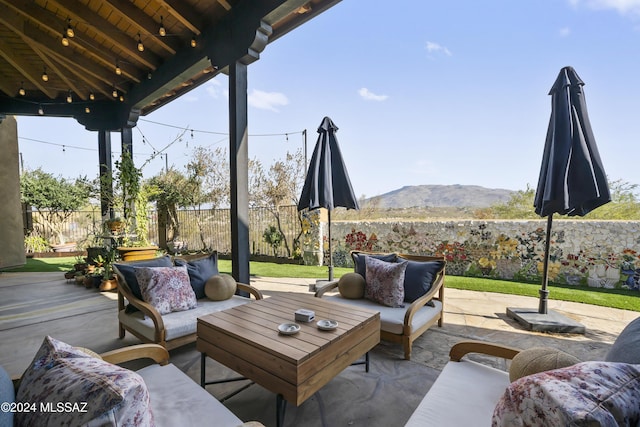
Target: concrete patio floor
33, 305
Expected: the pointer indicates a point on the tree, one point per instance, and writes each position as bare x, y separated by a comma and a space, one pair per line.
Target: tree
281, 186
169, 191
624, 205
207, 182
55, 198
519, 206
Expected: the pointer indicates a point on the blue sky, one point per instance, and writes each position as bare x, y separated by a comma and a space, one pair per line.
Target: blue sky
423, 92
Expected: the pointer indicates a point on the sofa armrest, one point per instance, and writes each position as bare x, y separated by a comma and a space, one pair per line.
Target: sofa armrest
326, 288
155, 352
251, 290
146, 308
459, 350
436, 292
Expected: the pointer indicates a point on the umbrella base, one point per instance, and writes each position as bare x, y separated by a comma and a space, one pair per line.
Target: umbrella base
550, 322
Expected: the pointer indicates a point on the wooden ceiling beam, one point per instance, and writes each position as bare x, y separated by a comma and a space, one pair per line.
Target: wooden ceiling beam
184, 15
4, 85
49, 21
225, 4
78, 12
16, 24
54, 66
62, 55
142, 22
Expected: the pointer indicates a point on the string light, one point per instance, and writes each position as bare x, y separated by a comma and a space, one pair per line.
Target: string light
121, 98
87, 110
92, 96
70, 32
118, 70
40, 110
115, 92
45, 76
140, 45
193, 41
69, 98
22, 92
162, 31
65, 40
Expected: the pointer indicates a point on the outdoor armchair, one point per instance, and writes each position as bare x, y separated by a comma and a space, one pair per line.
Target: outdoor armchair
424, 283
176, 328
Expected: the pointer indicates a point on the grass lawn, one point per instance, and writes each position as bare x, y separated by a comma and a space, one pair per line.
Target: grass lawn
615, 298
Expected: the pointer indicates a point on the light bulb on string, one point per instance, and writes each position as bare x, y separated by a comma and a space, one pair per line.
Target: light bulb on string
92, 96
64, 149
70, 32
22, 92
193, 41
162, 31
140, 45
191, 133
65, 40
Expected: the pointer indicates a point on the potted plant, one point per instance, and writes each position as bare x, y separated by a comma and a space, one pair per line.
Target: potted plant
108, 282
134, 200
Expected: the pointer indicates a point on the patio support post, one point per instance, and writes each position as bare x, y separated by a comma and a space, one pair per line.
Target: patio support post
239, 171
126, 142
106, 174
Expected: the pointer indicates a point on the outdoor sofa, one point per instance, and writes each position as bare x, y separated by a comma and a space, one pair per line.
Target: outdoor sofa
94, 391
544, 386
422, 303
175, 328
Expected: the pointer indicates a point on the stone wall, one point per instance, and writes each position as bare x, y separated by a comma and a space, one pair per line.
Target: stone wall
594, 253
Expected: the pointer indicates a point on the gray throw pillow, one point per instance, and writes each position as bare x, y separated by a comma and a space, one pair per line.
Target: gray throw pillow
200, 270
626, 348
419, 277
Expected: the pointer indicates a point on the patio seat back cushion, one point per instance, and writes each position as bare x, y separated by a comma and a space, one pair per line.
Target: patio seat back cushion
626, 348
200, 270
419, 277
100, 392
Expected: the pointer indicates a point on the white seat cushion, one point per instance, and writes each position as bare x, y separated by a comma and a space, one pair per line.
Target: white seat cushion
177, 400
178, 323
392, 319
464, 394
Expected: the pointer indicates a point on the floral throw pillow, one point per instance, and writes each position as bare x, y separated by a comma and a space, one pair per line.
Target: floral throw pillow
88, 388
585, 394
385, 282
167, 289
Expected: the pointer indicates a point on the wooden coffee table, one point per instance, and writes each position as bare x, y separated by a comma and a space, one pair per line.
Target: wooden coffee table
294, 367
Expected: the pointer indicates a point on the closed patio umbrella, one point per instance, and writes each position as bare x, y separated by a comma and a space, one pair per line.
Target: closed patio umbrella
327, 183
572, 179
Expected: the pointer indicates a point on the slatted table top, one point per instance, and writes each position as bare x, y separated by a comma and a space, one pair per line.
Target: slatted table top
246, 339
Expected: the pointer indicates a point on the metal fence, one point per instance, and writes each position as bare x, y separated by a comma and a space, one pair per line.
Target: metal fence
199, 229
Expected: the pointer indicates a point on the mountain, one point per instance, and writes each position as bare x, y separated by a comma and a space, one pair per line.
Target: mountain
441, 196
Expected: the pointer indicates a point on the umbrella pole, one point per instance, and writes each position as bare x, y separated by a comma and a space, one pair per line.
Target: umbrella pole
544, 293
330, 253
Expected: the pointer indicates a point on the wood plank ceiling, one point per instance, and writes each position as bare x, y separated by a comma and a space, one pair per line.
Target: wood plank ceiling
105, 62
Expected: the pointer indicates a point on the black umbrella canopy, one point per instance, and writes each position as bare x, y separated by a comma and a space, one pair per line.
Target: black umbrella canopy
327, 184
572, 179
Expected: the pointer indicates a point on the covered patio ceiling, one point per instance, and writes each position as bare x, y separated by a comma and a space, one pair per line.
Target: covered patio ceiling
117, 59
107, 62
